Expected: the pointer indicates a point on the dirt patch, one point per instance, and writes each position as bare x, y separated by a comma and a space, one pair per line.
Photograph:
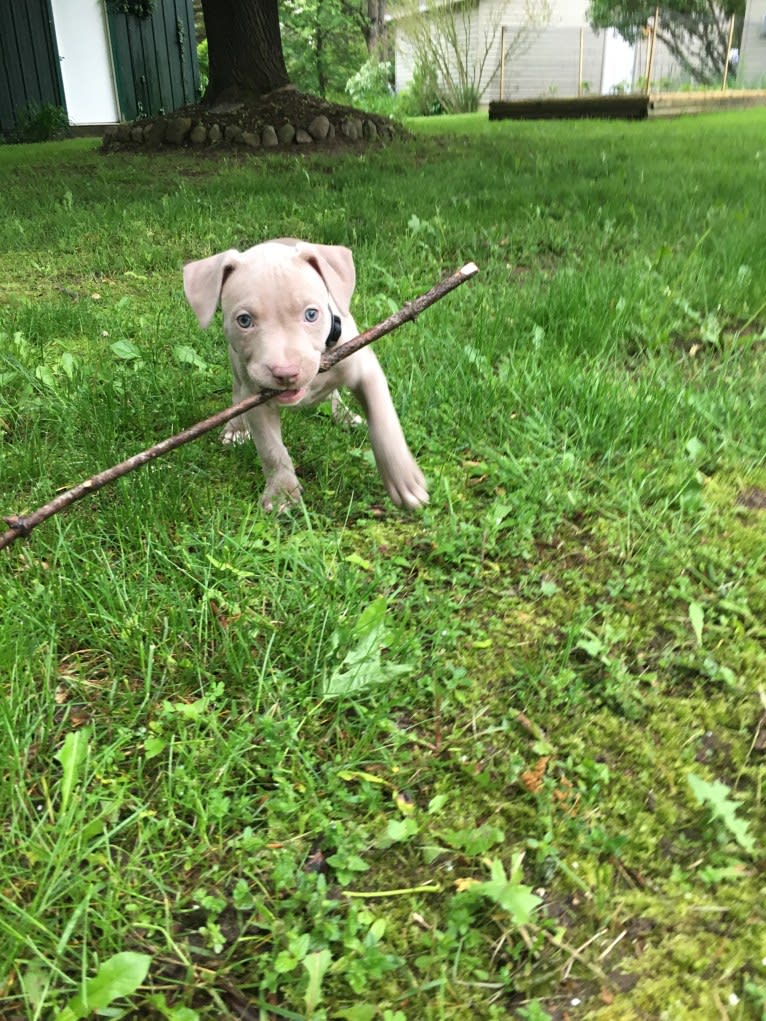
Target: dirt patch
753, 498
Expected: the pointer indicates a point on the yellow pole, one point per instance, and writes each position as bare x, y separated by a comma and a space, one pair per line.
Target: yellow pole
652, 41
728, 54
502, 63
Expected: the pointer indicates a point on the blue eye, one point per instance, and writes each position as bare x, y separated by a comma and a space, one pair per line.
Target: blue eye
245, 320
311, 315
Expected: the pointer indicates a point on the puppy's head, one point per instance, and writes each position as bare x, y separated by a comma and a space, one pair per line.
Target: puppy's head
278, 300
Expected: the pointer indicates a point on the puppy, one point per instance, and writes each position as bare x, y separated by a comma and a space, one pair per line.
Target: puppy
284, 303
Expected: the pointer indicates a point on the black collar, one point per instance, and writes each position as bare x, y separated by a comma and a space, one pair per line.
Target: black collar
336, 328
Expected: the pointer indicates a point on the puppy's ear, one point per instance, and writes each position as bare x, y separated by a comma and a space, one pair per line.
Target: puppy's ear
203, 281
335, 265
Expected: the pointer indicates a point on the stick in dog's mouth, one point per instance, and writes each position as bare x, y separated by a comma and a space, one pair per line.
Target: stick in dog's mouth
22, 526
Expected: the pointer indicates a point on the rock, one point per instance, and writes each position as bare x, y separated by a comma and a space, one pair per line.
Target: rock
176, 130
358, 125
302, 137
319, 128
198, 134
154, 133
137, 133
370, 131
348, 129
286, 134
251, 139
123, 132
214, 134
232, 134
269, 136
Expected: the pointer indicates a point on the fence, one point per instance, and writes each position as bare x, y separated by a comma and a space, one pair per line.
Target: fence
567, 61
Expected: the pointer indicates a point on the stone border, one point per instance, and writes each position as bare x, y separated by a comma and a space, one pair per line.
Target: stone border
198, 133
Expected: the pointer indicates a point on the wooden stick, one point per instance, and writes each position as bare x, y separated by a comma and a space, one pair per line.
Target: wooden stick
22, 526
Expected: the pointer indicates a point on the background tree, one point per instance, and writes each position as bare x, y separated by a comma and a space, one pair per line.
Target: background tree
696, 32
252, 47
245, 49
325, 42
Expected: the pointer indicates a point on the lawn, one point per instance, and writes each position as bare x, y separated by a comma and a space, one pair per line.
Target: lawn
502, 758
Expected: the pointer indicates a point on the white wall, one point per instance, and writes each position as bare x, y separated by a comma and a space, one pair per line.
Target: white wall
619, 56
752, 58
86, 61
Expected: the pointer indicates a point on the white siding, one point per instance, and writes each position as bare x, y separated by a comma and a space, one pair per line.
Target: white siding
617, 71
752, 61
550, 66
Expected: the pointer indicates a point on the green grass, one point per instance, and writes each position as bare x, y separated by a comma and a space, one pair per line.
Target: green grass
350, 763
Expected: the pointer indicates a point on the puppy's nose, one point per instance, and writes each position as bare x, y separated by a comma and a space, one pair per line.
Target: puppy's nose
285, 374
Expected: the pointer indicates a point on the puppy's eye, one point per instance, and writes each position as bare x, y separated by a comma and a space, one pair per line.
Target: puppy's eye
311, 315
245, 320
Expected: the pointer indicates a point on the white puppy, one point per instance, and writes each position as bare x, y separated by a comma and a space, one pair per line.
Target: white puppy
284, 303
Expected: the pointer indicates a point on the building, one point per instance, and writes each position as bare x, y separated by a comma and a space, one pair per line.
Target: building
525, 49
103, 61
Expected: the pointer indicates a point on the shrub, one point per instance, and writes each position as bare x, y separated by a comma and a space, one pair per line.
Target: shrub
40, 123
371, 88
422, 98
203, 61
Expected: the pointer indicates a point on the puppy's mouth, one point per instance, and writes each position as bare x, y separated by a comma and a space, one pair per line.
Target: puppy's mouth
291, 396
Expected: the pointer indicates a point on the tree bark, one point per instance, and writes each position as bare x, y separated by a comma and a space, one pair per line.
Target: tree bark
245, 49
376, 17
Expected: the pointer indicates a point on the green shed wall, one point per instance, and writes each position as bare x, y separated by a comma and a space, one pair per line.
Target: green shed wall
29, 60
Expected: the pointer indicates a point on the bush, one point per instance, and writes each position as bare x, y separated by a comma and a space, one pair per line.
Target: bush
371, 88
40, 123
423, 97
203, 61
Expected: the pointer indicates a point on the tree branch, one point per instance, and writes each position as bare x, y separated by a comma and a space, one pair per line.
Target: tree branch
22, 526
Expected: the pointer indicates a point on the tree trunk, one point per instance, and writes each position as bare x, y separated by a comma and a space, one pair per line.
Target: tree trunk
319, 46
245, 49
376, 21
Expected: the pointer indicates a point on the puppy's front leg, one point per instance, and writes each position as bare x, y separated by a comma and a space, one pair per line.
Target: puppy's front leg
398, 469
235, 431
282, 486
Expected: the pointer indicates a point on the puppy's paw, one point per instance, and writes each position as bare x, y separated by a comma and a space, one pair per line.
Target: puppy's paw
341, 413
408, 487
233, 434
282, 491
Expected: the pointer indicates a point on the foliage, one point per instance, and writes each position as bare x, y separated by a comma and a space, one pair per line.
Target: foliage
40, 123
463, 50
323, 43
203, 62
371, 88
349, 763
362, 664
695, 31
120, 976
716, 797
422, 96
